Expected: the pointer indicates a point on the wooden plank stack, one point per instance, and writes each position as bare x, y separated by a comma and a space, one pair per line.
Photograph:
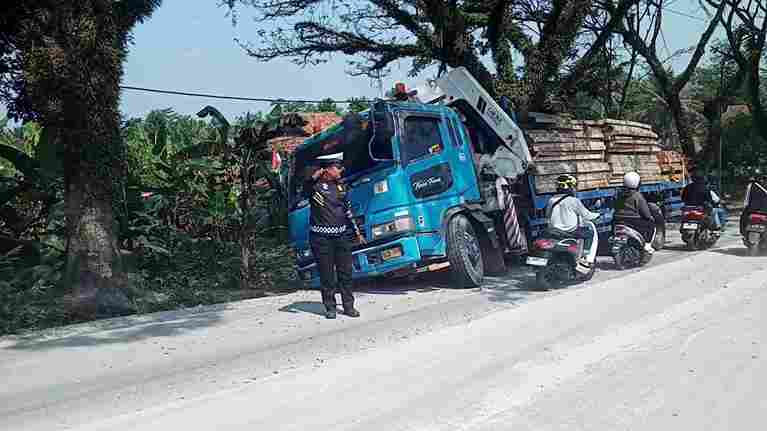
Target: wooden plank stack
632, 146
630, 137
646, 165
599, 153
673, 165
577, 148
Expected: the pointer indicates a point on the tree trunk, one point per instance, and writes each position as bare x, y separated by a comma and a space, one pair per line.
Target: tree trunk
680, 121
244, 226
533, 96
757, 110
244, 259
93, 267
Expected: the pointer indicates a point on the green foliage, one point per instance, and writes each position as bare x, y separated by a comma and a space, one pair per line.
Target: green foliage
29, 294
185, 215
358, 104
743, 152
206, 271
328, 105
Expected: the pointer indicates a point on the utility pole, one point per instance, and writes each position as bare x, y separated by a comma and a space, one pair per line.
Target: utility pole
721, 125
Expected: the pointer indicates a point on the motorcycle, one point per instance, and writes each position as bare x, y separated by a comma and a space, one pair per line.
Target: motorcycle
557, 262
755, 233
628, 247
696, 229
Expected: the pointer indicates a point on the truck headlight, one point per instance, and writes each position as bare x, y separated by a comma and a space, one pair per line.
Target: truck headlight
399, 224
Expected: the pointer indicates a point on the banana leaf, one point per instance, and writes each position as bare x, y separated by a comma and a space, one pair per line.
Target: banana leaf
50, 155
8, 195
21, 161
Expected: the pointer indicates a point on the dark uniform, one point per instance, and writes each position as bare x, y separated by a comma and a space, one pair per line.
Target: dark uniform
698, 194
331, 234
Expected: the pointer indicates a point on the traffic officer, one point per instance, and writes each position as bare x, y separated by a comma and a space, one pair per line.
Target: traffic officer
331, 230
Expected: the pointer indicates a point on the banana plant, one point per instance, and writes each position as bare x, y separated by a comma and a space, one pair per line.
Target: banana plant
257, 209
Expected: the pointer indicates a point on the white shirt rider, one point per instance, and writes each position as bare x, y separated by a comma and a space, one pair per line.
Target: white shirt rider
566, 213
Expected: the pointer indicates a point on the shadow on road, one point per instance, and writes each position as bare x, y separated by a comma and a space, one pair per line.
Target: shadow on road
400, 286
311, 307
677, 247
120, 330
734, 251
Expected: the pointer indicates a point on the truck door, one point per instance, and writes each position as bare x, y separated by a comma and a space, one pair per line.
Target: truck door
437, 160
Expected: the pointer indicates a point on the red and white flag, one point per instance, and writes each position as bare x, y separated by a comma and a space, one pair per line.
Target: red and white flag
276, 161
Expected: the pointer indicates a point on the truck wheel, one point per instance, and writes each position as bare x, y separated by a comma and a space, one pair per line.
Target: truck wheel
464, 253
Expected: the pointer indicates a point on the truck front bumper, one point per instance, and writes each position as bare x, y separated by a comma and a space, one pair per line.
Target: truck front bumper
400, 256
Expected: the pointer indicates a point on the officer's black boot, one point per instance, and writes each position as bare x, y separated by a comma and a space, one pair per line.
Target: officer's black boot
350, 311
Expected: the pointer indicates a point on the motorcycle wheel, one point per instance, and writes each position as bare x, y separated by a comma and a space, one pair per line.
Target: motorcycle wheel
588, 276
646, 258
753, 250
628, 257
549, 277
543, 280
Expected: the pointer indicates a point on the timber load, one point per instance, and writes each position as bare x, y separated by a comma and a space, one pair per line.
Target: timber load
576, 148
599, 152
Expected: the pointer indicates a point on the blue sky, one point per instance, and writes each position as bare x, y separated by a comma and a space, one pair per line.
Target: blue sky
188, 45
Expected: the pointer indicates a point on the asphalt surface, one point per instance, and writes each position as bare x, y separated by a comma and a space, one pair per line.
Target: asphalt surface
679, 343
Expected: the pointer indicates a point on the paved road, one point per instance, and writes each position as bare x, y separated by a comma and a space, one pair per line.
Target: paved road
678, 344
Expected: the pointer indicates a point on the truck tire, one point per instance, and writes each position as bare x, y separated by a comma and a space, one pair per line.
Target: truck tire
464, 253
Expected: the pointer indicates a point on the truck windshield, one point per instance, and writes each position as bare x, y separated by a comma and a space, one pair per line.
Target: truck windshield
421, 138
353, 139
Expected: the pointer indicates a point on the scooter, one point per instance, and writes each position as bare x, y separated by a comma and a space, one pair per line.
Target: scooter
755, 233
629, 248
696, 229
557, 260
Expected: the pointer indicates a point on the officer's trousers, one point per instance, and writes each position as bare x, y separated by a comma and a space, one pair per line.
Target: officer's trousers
333, 255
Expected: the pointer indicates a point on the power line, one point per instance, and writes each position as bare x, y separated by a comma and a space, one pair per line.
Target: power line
215, 96
684, 14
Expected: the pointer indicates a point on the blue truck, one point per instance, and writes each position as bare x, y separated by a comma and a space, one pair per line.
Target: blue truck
423, 172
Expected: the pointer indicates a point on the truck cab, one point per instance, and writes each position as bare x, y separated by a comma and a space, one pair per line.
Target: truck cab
413, 172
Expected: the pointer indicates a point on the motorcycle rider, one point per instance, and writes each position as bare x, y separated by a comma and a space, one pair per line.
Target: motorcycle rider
632, 210
698, 194
755, 200
566, 215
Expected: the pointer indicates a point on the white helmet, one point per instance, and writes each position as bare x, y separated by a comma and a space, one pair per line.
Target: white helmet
631, 180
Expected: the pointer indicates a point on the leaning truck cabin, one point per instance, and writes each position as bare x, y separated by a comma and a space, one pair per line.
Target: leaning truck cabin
408, 171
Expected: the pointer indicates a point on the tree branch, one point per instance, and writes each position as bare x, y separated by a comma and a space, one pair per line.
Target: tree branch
682, 79
582, 66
